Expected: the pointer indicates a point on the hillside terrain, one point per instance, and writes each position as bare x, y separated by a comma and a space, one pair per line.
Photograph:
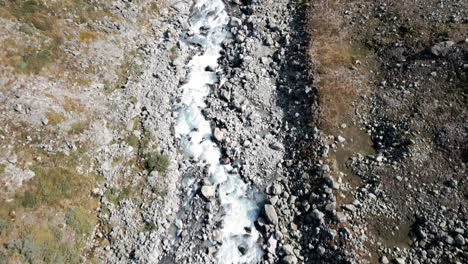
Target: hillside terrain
341, 128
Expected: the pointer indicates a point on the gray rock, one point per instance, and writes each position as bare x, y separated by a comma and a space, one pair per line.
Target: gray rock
400, 260
349, 207
341, 217
384, 260
273, 200
275, 146
449, 240
442, 48
287, 249
325, 168
272, 243
277, 189
317, 215
460, 240
340, 139
331, 182
270, 213
290, 259
235, 22
208, 191
321, 250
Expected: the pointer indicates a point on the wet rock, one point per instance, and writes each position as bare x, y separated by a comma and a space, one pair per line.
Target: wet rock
242, 250
218, 134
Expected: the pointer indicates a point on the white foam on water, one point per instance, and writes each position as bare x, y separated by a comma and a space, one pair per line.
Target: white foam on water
240, 203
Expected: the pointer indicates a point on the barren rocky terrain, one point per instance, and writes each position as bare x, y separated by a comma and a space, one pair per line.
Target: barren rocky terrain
345, 121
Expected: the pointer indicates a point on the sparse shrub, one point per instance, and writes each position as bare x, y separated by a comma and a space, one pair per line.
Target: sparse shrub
4, 225
149, 227
42, 245
156, 161
3, 257
26, 247
115, 195
55, 184
78, 127
174, 54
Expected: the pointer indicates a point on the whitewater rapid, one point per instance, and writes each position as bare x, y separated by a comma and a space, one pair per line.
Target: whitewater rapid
208, 29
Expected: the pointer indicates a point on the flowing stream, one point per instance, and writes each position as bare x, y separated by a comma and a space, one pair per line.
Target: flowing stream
240, 204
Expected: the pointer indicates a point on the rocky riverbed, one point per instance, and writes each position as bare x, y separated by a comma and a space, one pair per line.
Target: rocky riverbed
342, 125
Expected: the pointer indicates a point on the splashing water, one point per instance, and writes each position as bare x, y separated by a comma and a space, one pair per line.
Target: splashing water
239, 202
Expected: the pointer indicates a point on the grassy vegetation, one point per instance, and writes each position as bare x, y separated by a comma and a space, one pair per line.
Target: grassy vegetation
63, 195
44, 244
52, 186
46, 24
78, 220
49, 218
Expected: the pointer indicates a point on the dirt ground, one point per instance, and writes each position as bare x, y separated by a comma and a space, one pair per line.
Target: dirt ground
397, 70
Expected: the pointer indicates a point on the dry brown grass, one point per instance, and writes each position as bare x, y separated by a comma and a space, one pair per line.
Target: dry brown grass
54, 117
87, 36
333, 52
71, 105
